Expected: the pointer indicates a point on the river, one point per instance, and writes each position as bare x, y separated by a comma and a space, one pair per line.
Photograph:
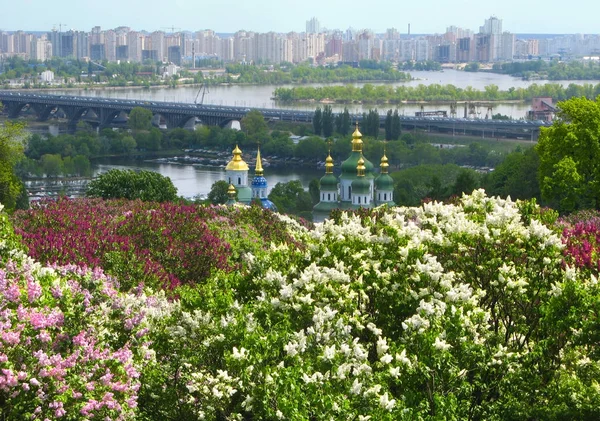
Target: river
190, 180
260, 95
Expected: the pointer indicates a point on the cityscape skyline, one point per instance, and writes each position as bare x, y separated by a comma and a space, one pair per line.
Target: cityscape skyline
535, 17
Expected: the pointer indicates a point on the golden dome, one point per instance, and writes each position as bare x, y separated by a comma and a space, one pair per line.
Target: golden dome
360, 168
357, 142
384, 164
329, 164
259, 169
237, 163
231, 192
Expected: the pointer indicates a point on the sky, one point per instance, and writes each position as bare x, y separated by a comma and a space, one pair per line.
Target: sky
228, 16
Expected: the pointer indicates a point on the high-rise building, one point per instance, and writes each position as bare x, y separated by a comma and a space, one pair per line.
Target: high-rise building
41, 49
507, 46
174, 54
313, 26
157, 40
493, 25
134, 42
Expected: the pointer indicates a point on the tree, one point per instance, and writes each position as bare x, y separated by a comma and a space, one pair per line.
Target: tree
569, 153
311, 148
465, 182
291, 198
345, 123
318, 121
314, 190
388, 125
218, 192
140, 119
255, 126
516, 176
148, 186
371, 124
327, 121
395, 126
52, 165
11, 152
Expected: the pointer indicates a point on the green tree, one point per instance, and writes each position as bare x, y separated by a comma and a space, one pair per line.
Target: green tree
465, 182
318, 121
314, 190
218, 192
148, 186
569, 153
388, 125
255, 126
345, 123
516, 176
311, 148
291, 198
395, 126
11, 152
140, 119
52, 165
82, 166
328, 121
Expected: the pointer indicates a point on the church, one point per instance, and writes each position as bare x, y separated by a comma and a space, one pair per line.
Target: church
237, 177
357, 186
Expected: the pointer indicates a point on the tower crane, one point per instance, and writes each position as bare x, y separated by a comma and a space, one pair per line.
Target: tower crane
204, 90
60, 26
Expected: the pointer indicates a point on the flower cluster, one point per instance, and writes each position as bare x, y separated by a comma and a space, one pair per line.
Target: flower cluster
70, 343
163, 245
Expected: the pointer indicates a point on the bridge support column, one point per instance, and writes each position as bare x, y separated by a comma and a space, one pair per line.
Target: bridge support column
73, 115
42, 111
174, 120
106, 116
13, 108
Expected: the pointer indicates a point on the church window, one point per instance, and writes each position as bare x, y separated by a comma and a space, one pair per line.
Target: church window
384, 196
239, 181
359, 200
328, 196
349, 191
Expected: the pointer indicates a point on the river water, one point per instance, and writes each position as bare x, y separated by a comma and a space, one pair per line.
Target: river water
260, 96
190, 180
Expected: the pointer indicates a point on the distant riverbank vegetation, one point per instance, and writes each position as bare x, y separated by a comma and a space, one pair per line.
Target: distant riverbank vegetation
373, 94
550, 70
367, 70
73, 72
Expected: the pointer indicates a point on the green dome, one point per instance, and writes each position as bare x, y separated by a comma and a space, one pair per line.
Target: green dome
361, 186
244, 194
350, 164
329, 182
384, 182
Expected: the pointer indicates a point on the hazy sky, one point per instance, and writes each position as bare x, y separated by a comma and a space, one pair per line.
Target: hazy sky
433, 16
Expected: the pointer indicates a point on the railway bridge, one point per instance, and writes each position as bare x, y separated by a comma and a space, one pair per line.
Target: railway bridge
103, 112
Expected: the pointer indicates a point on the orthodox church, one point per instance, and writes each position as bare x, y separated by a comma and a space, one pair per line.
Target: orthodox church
357, 186
237, 177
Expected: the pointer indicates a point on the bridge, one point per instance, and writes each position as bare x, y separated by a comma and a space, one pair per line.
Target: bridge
103, 112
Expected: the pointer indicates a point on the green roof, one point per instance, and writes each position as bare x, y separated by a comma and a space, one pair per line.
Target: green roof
361, 185
350, 164
244, 194
384, 182
329, 182
326, 207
